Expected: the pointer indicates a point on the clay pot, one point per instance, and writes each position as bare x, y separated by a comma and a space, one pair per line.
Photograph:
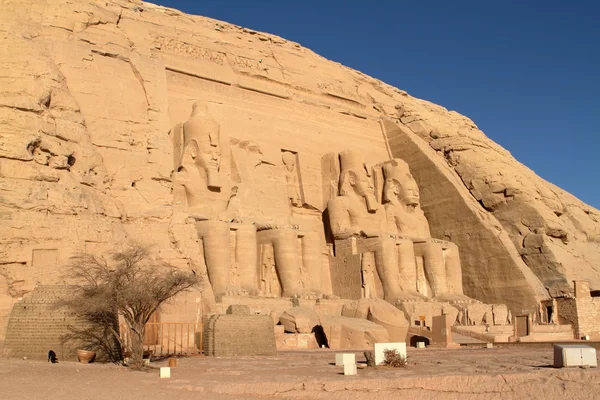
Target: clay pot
86, 356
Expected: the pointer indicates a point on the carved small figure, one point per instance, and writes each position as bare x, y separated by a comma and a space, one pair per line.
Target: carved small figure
291, 176
268, 276
368, 275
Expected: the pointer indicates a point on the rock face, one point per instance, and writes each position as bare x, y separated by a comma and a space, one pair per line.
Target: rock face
95, 150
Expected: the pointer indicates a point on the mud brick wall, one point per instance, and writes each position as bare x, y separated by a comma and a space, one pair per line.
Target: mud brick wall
35, 325
588, 312
567, 313
237, 335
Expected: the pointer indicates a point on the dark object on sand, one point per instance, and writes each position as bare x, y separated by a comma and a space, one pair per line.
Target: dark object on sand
52, 357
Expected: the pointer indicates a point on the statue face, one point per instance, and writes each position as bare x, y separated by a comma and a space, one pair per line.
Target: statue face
208, 155
408, 191
363, 186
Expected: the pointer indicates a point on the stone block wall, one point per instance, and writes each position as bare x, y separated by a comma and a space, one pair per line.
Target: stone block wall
237, 335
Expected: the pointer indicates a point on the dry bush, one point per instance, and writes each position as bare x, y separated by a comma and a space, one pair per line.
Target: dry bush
131, 284
393, 359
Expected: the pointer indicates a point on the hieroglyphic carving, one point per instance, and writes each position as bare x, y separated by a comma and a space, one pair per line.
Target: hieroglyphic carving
244, 62
339, 91
188, 50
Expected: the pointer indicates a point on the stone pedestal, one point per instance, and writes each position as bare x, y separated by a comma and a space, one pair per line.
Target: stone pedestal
574, 355
342, 359
441, 332
350, 369
400, 347
165, 372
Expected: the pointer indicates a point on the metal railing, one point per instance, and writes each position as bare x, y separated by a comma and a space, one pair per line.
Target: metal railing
169, 338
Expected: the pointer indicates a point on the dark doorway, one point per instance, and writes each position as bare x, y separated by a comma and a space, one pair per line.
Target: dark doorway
549, 313
320, 336
417, 338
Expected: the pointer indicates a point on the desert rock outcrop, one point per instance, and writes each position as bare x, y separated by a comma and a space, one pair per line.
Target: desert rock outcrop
94, 151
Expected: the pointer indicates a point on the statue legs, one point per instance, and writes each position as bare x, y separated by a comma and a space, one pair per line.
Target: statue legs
435, 266
386, 262
312, 260
453, 268
441, 261
285, 246
215, 237
291, 253
407, 266
246, 255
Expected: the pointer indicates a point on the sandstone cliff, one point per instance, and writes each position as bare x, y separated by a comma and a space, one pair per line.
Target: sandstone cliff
89, 92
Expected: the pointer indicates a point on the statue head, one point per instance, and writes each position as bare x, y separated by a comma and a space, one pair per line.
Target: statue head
202, 148
399, 184
289, 160
355, 178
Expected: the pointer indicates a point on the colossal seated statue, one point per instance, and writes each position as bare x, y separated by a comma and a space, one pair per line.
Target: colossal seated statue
356, 213
197, 179
267, 194
233, 239
406, 220
395, 236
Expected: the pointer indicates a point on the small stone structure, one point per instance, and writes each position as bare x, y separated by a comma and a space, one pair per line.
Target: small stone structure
441, 332
36, 326
236, 334
581, 311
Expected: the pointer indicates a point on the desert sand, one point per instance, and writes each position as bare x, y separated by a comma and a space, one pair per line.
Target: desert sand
465, 374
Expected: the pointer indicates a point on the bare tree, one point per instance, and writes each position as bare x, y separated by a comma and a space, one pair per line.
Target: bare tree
131, 284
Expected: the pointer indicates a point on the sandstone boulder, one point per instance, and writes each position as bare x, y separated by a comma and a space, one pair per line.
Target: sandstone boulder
352, 333
299, 320
382, 313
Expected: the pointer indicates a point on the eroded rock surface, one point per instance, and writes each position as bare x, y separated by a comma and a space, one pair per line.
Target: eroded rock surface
91, 94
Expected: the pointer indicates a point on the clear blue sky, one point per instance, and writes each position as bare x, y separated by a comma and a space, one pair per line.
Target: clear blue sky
527, 72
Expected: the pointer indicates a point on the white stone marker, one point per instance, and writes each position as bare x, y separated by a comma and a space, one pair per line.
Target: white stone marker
489, 345
165, 372
342, 359
574, 355
349, 369
380, 347
420, 345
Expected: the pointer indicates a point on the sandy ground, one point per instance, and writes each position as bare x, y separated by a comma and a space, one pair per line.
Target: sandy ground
504, 374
